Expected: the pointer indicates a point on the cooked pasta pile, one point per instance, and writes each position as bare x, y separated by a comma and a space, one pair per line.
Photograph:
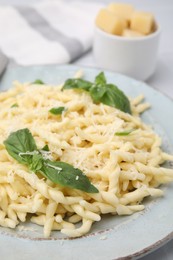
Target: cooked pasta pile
124, 168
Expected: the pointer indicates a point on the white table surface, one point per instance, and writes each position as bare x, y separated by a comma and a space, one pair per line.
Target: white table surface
162, 79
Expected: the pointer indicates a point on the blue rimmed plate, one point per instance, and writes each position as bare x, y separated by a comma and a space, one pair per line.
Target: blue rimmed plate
113, 237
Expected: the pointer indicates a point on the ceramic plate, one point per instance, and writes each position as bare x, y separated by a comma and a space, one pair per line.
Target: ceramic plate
113, 237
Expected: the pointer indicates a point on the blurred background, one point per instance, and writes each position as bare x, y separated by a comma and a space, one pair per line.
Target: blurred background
162, 10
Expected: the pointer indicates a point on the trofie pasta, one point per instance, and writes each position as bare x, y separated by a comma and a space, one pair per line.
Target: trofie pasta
120, 155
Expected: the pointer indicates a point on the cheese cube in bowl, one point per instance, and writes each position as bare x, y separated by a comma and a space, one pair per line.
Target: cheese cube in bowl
126, 41
142, 22
110, 23
122, 10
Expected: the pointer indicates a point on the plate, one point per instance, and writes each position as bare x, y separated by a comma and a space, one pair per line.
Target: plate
114, 237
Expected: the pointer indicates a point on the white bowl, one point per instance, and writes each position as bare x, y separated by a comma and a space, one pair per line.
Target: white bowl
135, 57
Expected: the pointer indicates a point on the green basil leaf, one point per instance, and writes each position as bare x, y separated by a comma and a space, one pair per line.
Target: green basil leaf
38, 81
57, 110
100, 78
36, 163
46, 148
21, 146
124, 133
110, 95
14, 105
77, 84
66, 175
100, 91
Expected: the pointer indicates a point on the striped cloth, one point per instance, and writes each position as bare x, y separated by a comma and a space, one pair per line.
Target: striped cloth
3, 62
53, 31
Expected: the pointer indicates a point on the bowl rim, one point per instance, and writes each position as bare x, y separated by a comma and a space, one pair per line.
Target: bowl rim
129, 39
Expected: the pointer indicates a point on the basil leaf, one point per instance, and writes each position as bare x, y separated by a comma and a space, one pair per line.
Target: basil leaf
100, 78
36, 163
66, 175
21, 146
100, 91
124, 133
77, 83
57, 110
14, 105
38, 81
110, 95
97, 93
45, 148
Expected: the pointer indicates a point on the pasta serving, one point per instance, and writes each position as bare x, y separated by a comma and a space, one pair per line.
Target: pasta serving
115, 150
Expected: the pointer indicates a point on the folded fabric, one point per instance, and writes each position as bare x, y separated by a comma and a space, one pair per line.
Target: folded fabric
48, 32
3, 62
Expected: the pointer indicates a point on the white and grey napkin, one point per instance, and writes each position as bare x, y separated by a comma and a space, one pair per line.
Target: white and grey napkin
3, 62
53, 31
